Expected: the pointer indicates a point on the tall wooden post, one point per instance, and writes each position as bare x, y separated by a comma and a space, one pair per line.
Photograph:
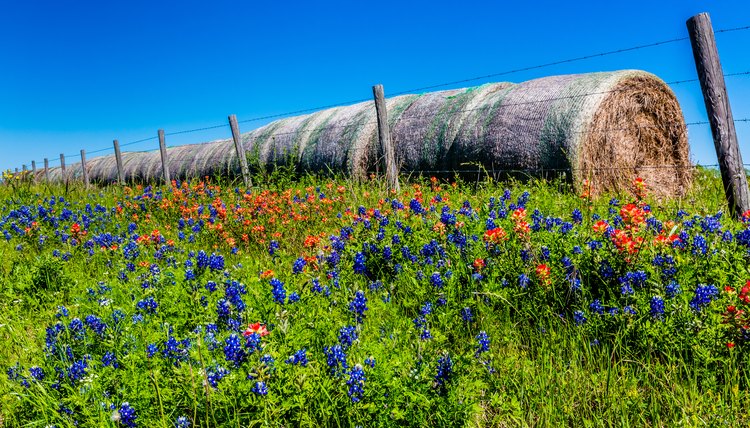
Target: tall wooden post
46, 169
83, 168
240, 150
384, 136
164, 159
719, 112
62, 167
118, 159
33, 170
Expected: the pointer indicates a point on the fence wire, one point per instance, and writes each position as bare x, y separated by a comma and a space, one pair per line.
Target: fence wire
446, 84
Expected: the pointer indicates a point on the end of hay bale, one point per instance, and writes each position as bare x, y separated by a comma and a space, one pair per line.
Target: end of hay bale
636, 130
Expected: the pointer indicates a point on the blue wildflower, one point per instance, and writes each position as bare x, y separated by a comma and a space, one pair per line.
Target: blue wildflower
444, 371
356, 383
260, 388
704, 294
127, 415
579, 317
358, 306
279, 294
657, 306
483, 343
299, 357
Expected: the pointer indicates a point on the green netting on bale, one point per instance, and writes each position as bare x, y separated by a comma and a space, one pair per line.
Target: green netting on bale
624, 119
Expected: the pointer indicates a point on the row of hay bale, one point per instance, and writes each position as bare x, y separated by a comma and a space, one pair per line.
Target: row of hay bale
608, 127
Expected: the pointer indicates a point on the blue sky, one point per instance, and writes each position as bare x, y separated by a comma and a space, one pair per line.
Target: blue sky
79, 74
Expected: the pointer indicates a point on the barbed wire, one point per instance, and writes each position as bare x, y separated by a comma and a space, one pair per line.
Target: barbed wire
455, 82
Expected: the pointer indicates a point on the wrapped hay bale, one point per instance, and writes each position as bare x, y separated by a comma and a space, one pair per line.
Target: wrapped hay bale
606, 127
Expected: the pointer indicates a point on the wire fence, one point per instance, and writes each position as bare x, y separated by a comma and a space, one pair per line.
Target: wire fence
53, 161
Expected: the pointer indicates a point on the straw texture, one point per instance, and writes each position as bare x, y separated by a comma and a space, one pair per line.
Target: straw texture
607, 127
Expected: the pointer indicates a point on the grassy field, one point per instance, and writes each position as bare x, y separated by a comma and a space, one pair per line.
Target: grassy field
322, 302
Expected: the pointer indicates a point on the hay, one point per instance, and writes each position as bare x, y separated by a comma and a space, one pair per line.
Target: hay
606, 127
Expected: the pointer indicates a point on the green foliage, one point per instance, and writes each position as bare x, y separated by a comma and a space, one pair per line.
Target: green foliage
541, 368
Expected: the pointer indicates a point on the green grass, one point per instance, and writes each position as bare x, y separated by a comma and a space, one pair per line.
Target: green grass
545, 370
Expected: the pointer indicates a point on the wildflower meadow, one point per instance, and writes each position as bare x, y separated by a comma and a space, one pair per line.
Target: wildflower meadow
329, 302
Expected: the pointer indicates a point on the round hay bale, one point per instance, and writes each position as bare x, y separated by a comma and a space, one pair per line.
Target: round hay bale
605, 127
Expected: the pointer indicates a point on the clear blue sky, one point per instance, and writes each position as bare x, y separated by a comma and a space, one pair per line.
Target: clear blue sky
79, 74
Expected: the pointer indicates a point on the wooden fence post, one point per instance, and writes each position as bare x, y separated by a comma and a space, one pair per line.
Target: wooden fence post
83, 168
62, 168
46, 170
384, 136
118, 159
164, 159
240, 150
33, 170
719, 112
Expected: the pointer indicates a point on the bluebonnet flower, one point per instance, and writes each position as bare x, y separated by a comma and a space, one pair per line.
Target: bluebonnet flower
672, 289
175, 351
426, 309
267, 359
182, 422
216, 262
370, 361
299, 265
109, 359
260, 388
293, 297
436, 280
629, 310
425, 335
77, 370
594, 245
347, 336
711, 224
358, 306
544, 253
359, 263
466, 315
657, 306
444, 371
626, 289
127, 415
202, 260
416, 207
215, 374
483, 343
62, 311
523, 280
147, 305
37, 372
279, 294
704, 294
233, 350
51, 336
273, 246
700, 247
335, 358
151, 349
579, 317
96, 324
356, 383
596, 307
299, 357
